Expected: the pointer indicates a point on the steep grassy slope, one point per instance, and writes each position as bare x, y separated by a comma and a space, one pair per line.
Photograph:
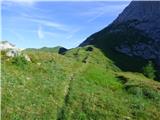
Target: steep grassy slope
101, 92
115, 35
81, 85
95, 95
123, 34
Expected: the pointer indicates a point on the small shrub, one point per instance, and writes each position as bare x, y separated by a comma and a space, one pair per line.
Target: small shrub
89, 49
3, 52
149, 70
151, 94
3, 55
135, 90
19, 61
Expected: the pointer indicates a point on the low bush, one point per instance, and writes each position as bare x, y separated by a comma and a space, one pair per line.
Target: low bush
19, 61
149, 70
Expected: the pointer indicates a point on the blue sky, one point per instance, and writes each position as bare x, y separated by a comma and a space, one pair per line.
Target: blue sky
35, 24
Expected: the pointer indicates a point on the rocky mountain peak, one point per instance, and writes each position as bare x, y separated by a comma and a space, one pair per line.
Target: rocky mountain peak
134, 35
147, 17
140, 10
144, 16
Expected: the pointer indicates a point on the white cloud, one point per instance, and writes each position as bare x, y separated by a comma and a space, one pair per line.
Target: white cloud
48, 23
99, 11
40, 33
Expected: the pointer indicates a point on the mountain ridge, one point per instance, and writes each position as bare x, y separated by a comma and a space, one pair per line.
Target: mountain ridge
135, 34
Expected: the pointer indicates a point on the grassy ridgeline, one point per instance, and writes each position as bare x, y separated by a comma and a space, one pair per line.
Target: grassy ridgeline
82, 84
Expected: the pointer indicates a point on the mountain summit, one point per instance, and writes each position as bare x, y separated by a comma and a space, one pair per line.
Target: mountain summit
147, 17
134, 37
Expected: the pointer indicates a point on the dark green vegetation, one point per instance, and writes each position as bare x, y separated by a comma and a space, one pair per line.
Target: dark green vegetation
149, 70
83, 84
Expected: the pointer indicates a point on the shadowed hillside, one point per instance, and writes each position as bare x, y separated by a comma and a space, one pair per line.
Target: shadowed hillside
133, 38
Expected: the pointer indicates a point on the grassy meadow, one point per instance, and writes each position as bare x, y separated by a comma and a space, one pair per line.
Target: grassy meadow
83, 84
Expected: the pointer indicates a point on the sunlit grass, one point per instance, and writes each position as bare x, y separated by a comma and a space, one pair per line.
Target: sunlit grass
54, 86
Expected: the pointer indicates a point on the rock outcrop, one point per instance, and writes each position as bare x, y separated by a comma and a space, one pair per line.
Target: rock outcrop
6, 45
146, 17
11, 51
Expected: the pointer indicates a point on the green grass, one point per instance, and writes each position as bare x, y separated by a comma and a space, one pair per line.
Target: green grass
99, 94
80, 85
34, 91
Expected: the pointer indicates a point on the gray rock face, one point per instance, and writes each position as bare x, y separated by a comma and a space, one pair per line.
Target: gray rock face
6, 45
144, 50
13, 53
147, 14
139, 25
27, 58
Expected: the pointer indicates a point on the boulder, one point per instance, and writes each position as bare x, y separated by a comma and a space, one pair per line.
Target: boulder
13, 53
27, 58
